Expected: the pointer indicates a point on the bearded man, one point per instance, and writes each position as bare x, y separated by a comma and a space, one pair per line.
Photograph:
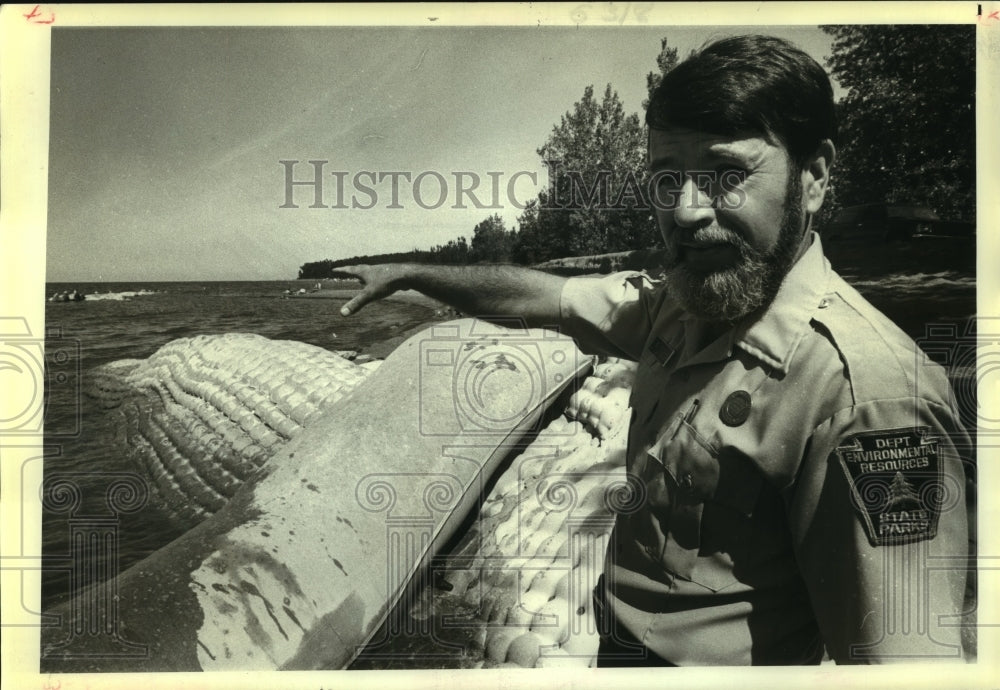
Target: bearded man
797, 460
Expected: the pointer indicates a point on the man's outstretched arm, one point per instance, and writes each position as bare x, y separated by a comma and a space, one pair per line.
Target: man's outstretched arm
483, 291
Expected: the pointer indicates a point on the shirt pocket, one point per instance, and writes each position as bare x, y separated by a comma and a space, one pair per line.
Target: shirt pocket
713, 494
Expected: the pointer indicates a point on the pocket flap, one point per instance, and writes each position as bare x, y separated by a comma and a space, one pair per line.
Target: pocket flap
701, 473
690, 461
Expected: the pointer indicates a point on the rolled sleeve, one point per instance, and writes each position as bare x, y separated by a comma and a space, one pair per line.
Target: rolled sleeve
609, 315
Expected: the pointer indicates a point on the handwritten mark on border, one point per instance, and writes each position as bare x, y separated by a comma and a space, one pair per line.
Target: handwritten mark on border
40, 16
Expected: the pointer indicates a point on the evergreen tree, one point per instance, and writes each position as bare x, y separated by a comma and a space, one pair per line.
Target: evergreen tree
901, 492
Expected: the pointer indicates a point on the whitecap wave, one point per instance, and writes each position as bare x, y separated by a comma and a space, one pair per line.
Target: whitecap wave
119, 296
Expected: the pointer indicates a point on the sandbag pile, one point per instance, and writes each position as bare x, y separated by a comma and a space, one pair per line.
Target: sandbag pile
531, 560
202, 414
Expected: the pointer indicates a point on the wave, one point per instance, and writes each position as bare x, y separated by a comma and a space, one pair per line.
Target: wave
917, 281
116, 296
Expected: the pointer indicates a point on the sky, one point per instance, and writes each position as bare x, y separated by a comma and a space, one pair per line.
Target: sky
165, 144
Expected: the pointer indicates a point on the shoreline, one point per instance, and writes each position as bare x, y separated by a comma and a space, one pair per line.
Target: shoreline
407, 296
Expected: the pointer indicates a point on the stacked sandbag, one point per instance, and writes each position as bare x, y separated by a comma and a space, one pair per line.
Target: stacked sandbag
202, 414
529, 564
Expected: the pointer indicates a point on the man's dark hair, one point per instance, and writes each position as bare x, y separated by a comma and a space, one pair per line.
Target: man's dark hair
759, 84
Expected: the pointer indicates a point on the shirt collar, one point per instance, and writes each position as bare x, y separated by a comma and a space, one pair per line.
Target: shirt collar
775, 335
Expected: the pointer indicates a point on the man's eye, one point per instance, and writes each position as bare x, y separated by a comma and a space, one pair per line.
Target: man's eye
731, 176
668, 179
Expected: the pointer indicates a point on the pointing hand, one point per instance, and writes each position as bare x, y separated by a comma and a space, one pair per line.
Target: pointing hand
377, 283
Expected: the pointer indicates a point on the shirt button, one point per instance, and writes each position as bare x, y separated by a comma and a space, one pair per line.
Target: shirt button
687, 481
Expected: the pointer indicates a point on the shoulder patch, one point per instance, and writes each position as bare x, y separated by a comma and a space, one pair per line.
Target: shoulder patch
895, 482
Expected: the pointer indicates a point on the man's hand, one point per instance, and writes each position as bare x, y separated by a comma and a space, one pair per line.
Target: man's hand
378, 282
486, 291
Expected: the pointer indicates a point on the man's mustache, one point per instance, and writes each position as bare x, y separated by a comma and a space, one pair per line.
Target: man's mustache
705, 237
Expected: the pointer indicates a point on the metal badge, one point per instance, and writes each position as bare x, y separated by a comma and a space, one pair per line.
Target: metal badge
735, 409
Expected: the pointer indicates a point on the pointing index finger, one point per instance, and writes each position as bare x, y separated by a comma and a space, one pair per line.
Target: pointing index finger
352, 305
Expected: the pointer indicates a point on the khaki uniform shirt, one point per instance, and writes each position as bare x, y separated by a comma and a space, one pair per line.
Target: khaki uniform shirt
796, 480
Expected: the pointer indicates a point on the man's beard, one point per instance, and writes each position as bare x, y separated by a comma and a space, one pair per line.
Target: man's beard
731, 293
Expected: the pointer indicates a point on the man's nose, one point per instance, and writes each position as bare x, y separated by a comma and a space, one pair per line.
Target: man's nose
694, 205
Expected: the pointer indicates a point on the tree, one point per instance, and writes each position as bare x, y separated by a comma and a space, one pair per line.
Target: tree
455, 252
596, 159
596, 202
541, 234
666, 61
491, 242
908, 121
901, 492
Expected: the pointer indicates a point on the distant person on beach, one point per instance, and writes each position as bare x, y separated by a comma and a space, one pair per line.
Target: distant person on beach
800, 466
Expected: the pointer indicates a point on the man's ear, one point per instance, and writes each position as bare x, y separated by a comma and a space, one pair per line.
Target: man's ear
816, 177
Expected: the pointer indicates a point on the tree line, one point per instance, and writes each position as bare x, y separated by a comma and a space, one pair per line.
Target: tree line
491, 243
907, 135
